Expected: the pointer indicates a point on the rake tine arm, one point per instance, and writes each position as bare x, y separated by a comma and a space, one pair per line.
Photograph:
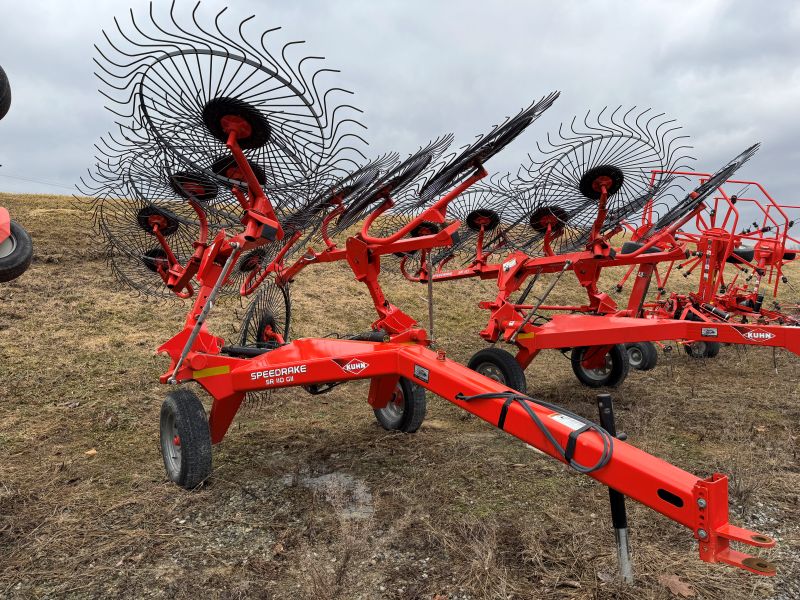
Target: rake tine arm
436, 213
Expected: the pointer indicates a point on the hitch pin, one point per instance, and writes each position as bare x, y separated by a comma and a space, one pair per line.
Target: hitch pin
204, 312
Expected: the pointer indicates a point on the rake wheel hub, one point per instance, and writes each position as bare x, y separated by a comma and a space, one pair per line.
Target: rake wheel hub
227, 167
150, 217
155, 258
425, 228
553, 217
193, 185
483, 218
603, 176
251, 261
225, 115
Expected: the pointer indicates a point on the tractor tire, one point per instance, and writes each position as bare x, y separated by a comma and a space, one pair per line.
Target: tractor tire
5, 93
612, 375
406, 410
702, 349
642, 356
712, 349
16, 253
497, 364
185, 439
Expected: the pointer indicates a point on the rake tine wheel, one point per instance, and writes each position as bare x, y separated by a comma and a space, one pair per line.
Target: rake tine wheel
482, 212
629, 150
467, 163
267, 319
479, 152
182, 80
336, 194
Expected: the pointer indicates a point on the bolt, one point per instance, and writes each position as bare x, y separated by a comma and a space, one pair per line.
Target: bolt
701, 503
702, 534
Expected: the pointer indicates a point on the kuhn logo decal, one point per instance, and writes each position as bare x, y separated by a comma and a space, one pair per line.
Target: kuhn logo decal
354, 366
757, 335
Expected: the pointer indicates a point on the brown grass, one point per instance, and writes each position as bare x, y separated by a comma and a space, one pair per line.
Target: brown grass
458, 510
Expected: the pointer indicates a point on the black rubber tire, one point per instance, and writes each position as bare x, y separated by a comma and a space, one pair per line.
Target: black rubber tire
407, 415
500, 365
702, 349
19, 259
5, 93
642, 356
617, 369
183, 416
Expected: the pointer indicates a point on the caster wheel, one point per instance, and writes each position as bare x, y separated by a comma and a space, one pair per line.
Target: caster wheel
497, 364
611, 374
642, 356
406, 410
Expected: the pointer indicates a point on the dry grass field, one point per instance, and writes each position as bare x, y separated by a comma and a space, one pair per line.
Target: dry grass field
310, 498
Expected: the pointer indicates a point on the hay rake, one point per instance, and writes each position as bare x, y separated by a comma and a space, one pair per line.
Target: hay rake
396, 355
16, 248
560, 216
739, 263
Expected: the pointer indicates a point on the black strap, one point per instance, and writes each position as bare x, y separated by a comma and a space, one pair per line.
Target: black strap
504, 411
569, 451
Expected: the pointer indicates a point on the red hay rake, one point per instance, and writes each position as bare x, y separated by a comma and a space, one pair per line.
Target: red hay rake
739, 244
229, 159
561, 216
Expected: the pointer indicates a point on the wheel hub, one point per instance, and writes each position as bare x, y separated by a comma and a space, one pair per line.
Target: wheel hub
171, 444
492, 372
7, 246
634, 356
395, 407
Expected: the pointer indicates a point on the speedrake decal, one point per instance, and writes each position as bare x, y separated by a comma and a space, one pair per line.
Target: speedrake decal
282, 375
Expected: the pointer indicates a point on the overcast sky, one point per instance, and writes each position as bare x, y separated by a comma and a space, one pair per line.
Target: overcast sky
728, 71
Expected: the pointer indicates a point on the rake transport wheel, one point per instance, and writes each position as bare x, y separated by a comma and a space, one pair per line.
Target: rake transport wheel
500, 365
612, 374
406, 409
702, 349
642, 356
185, 439
16, 253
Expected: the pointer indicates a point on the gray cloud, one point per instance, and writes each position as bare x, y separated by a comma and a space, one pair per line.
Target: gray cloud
728, 71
